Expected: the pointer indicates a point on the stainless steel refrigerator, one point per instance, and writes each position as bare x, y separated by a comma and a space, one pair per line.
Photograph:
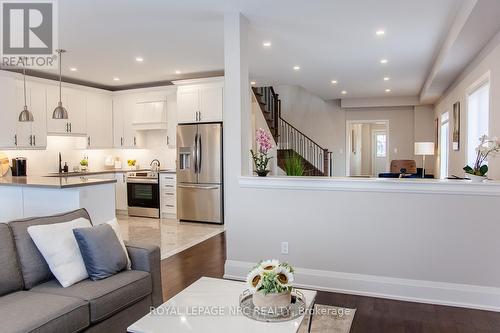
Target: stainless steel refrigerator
199, 173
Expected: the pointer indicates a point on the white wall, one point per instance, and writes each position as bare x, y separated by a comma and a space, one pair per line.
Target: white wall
487, 61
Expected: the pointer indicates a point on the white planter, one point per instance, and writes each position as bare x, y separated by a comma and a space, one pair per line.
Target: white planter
475, 179
272, 303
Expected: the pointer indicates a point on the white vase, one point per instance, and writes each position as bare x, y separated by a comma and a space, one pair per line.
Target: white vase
476, 179
272, 303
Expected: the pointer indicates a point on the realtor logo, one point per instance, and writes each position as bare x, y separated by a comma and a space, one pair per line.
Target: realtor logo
28, 31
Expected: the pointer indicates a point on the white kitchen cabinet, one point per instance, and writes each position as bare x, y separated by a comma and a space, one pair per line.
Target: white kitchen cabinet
74, 101
121, 191
168, 196
32, 134
200, 100
99, 115
9, 113
124, 133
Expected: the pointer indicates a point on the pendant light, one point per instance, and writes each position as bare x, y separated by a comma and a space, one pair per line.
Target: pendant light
60, 111
25, 115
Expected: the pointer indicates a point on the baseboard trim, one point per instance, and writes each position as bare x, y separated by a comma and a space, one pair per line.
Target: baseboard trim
431, 292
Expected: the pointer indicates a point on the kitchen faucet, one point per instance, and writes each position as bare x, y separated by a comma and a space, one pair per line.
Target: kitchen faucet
155, 165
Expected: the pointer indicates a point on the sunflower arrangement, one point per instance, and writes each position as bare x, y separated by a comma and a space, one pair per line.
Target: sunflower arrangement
271, 277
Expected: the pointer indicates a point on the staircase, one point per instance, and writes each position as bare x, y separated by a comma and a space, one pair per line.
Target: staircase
317, 161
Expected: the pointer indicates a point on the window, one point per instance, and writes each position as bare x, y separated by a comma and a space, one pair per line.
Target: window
444, 144
381, 141
478, 114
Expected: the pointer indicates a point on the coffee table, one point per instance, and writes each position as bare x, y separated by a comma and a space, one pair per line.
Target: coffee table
210, 305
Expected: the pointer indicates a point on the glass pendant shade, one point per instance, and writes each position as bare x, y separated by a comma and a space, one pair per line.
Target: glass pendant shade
25, 115
60, 111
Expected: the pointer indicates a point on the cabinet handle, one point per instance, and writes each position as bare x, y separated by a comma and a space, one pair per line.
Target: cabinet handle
67, 127
168, 140
88, 140
121, 141
34, 140
31, 140
15, 139
199, 115
124, 178
70, 130
135, 141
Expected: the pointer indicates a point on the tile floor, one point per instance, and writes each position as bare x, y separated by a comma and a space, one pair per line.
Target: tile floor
169, 234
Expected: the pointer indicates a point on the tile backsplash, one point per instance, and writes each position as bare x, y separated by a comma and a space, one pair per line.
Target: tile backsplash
73, 149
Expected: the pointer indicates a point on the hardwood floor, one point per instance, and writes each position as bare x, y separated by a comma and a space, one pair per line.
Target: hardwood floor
373, 315
182, 269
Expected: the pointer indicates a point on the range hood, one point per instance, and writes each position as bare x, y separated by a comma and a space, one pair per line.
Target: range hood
151, 115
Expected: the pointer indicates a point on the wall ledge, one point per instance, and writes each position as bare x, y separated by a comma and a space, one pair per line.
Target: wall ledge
381, 185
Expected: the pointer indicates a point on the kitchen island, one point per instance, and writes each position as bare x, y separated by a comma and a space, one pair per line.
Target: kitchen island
22, 197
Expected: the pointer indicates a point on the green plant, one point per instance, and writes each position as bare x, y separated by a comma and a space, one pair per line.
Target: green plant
487, 148
294, 166
84, 162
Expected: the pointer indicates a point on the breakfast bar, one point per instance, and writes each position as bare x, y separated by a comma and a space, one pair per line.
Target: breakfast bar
30, 196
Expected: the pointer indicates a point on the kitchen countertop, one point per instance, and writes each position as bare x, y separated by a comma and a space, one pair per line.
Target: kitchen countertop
53, 182
101, 172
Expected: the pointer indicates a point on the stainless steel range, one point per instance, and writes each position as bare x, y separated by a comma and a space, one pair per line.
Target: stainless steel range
143, 194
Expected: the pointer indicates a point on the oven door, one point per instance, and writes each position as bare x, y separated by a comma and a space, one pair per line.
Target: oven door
143, 193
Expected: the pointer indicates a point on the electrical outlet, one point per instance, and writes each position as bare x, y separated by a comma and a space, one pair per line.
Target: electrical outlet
284, 247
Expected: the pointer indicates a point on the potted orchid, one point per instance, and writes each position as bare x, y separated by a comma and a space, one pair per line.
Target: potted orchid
260, 158
487, 148
271, 284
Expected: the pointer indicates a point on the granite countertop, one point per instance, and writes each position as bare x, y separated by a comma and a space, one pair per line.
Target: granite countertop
101, 172
53, 182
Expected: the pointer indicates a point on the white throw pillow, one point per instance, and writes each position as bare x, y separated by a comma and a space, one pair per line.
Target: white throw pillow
58, 246
116, 228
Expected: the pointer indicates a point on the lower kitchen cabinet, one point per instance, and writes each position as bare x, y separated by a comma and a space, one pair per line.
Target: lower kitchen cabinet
121, 191
168, 197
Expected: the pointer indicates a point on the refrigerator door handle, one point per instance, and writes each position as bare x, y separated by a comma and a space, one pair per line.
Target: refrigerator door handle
195, 155
199, 187
200, 157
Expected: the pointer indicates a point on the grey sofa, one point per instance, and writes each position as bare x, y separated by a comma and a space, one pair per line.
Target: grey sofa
31, 300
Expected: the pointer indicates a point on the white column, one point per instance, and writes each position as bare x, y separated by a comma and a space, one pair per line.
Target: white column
237, 115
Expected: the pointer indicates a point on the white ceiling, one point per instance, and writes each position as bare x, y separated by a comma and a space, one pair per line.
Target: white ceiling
329, 39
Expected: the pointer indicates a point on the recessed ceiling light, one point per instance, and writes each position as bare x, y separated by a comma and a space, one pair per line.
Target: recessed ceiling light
334, 81
73, 69
266, 44
116, 79
178, 72
139, 59
384, 61
387, 78
388, 90
253, 83
380, 32
296, 68
344, 92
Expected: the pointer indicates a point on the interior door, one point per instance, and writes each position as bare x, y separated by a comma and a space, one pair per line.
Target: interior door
187, 153
379, 152
210, 153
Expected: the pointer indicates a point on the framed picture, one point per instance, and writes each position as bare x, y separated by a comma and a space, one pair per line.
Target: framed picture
456, 126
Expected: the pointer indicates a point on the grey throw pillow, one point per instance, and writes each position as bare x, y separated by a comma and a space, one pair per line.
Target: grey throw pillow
101, 251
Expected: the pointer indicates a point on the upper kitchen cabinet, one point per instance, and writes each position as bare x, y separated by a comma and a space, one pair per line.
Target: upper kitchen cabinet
99, 120
75, 103
9, 113
200, 100
124, 116
32, 134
